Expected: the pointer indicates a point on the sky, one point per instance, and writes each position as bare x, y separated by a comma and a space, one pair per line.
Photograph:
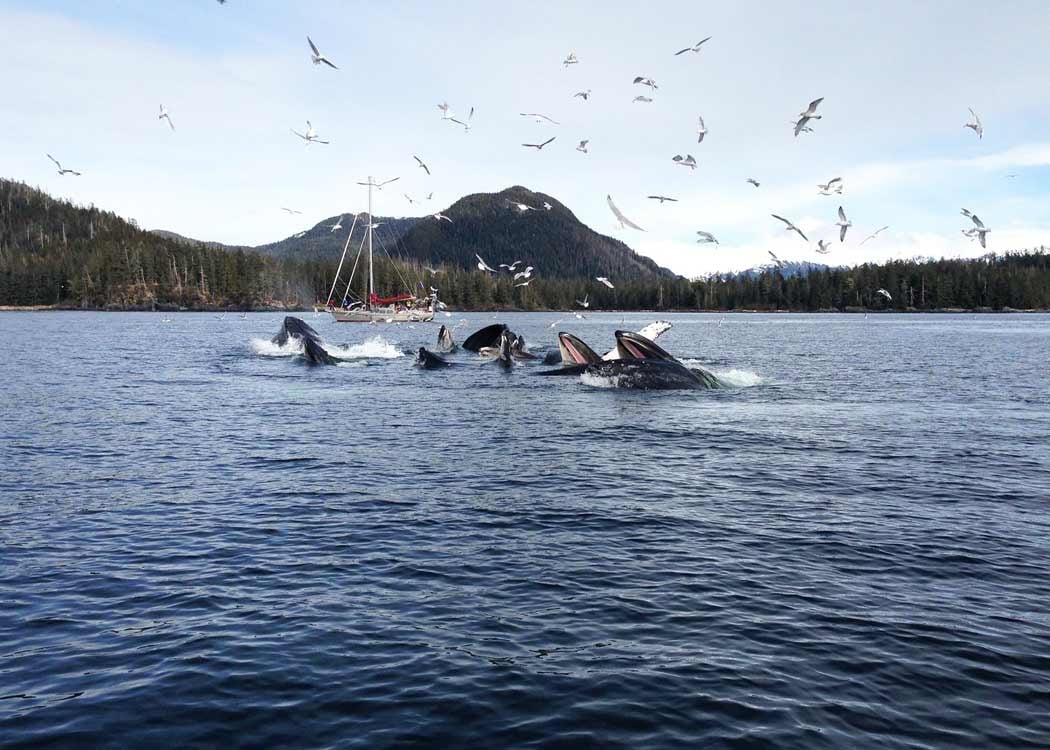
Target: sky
84, 80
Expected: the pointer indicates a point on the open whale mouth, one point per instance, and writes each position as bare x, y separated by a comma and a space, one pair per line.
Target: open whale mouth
631, 345
574, 351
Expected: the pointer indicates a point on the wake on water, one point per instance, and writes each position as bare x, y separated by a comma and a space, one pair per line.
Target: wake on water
733, 378
374, 348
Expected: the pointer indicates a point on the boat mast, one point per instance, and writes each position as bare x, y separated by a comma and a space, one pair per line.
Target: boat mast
371, 223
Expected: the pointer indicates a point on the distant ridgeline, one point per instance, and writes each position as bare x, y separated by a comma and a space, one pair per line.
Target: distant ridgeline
55, 253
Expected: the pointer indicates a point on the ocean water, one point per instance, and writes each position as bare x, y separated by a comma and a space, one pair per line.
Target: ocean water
205, 542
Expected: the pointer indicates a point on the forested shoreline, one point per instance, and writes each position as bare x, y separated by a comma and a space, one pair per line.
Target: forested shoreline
59, 255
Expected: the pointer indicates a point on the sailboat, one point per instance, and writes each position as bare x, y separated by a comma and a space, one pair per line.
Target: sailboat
400, 308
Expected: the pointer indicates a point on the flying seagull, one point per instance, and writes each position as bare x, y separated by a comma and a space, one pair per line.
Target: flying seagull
976, 125
441, 217
684, 161
834, 185
547, 206
809, 114
753, 181
643, 99
483, 266
317, 57
62, 171
540, 118
874, 234
291, 211
445, 114
790, 227
624, 221
701, 130
646, 81
662, 198
706, 237
522, 207
379, 185
585, 302
582, 148
510, 267
466, 125
843, 224
694, 48
823, 247
338, 225
408, 198
979, 229
429, 196
524, 283
165, 116
309, 136
585, 95
570, 60
885, 294
605, 281
539, 146
422, 165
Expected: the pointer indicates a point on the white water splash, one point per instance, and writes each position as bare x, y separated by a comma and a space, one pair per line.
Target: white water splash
599, 381
739, 378
375, 348
266, 348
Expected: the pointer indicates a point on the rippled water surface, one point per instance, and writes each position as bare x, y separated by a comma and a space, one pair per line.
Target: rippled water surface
206, 542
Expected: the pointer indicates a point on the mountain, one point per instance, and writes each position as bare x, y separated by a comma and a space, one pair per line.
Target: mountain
554, 241
788, 269
175, 236
321, 243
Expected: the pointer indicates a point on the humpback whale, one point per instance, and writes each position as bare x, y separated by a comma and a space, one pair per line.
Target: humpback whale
641, 365
489, 336
445, 343
430, 361
518, 350
313, 352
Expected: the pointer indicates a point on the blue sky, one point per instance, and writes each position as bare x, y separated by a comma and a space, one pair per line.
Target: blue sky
84, 80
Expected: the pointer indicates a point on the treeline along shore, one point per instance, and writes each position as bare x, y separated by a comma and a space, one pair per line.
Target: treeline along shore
57, 255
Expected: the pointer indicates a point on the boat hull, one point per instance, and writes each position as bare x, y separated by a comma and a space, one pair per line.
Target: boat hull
381, 316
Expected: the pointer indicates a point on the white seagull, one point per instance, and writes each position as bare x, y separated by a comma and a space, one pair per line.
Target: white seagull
408, 198
524, 283
885, 294
646, 81
706, 237
582, 148
62, 171
165, 116
483, 266
979, 229
570, 60
445, 114
540, 118
291, 211
976, 125
441, 217
823, 247
585, 302
834, 185
605, 281
701, 130
643, 99
694, 48
539, 146
547, 206
423, 166
809, 114
317, 57
309, 136
585, 95
790, 227
684, 161
662, 198
624, 221
843, 224
466, 125
874, 234
753, 181
338, 225
522, 207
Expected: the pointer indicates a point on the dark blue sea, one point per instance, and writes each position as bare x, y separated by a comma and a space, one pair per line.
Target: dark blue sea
205, 542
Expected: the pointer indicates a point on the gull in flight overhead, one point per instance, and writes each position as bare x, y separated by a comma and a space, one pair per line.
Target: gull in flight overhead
809, 114
843, 224
423, 166
62, 171
317, 57
585, 95
823, 247
646, 81
624, 221
874, 234
706, 237
753, 181
605, 281
701, 130
338, 225
555, 323
309, 136
441, 217
483, 266
527, 273
662, 198
694, 48
570, 60
291, 211
790, 227
522, 207
585, 302
779, 263
429, 196
408, 198
165, 116
979, 230
298, 235
643, 99
976, 125
540, 118
684, 161
466, 125
445, 114
510, 267
524, 283
539, 146
582, 148
885, 294
547, 206
834, 185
